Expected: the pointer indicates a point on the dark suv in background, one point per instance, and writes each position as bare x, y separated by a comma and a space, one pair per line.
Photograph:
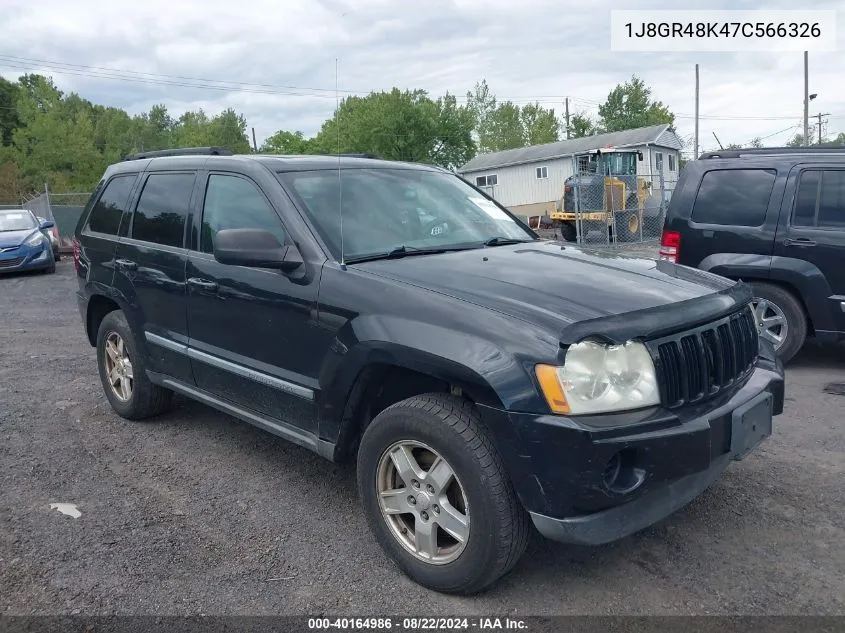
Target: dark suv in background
774, 218
392, 313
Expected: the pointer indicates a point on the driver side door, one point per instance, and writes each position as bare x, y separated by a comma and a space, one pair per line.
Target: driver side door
252, 330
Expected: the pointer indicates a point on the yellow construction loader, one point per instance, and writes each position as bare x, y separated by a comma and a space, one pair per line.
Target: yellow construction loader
606, 187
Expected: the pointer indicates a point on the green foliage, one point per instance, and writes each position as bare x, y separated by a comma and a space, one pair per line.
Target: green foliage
501, 126
581, 125
284, 142
400, 125
630, 105
64, 140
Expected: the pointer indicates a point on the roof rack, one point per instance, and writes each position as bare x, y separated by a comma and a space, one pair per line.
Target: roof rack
372, 156
182, 151
772, 151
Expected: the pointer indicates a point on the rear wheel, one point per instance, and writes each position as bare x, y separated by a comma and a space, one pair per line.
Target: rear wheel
568, 232
780, 318
122, 371
437, 497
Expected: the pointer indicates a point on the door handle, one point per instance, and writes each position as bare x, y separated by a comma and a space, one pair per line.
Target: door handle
204, 284
126, 264
799, 241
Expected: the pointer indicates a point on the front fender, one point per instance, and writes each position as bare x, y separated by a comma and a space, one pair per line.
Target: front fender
492, 377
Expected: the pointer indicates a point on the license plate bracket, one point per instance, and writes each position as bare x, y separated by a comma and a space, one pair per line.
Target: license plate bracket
751, 423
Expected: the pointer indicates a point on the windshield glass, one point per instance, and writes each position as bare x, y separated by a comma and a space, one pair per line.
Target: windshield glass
621, 164
19, 220
383, 209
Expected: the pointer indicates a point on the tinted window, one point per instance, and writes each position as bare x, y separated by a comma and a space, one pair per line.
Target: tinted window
805, 202
235, 203
820, 201
832, 200
106, 214
734, 197
162, 209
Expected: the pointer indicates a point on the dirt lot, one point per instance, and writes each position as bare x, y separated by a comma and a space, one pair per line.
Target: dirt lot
199, 513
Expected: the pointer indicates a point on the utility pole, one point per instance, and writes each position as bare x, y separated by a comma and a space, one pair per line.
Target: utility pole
806, 101
695, 151
254, 144
820, 115
567, 118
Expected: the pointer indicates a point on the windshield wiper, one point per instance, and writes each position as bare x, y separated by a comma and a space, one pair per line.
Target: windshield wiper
399, 251
500, 241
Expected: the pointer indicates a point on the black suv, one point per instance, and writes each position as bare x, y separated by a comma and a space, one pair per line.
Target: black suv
776, 219
391, 313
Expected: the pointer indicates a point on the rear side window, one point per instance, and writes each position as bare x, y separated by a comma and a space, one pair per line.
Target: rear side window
107, 212
163, 208
820, 201
734, 197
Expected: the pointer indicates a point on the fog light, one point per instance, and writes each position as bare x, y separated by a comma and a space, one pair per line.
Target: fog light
621, 474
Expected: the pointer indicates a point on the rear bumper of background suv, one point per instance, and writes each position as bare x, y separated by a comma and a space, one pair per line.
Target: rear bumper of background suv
667, 459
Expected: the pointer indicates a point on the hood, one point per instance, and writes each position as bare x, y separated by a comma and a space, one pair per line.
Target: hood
14, 238
552, 283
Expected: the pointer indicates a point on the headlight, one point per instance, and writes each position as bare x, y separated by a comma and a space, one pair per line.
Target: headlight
598, 378
36, 240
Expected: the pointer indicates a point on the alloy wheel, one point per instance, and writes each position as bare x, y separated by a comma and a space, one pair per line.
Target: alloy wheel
118, 366
423, 502
771, 322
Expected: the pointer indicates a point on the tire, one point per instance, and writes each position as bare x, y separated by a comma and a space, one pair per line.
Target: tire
51, 268
568, 232
497, 525
781, 302
145, 399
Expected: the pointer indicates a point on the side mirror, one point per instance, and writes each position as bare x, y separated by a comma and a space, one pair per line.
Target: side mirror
255, 248
46, 224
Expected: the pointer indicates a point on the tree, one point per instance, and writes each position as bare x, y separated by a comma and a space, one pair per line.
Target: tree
756, 142
539, 125
798, 140
836, 142
401, 125
581, 125
481, 102
8, 110
504, 128
228, 129
284, 142
630, 105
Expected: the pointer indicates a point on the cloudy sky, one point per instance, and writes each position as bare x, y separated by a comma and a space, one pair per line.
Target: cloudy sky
274, 61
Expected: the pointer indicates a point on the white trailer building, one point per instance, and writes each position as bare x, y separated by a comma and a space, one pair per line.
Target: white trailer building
529, 180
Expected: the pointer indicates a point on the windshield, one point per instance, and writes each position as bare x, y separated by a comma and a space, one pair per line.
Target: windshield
383, 209
19, 220
620, 164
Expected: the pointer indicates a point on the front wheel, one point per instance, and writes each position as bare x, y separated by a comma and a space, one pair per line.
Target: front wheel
437, 497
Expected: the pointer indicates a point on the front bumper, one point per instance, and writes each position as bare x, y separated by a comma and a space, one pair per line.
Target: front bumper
26, 258
670, 459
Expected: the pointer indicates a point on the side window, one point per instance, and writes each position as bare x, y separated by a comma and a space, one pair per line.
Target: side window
232, 202
163, 208
804, 213
820, 200
832, 200
671, 162
734, 197
107, 212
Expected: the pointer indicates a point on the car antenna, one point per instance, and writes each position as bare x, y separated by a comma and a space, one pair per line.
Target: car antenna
339, 177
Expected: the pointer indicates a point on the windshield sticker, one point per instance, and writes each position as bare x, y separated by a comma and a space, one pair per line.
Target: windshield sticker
490, 209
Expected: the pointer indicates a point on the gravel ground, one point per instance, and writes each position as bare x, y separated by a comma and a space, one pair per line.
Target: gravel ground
196, 512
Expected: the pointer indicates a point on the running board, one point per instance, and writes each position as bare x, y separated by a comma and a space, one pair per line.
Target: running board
276, 427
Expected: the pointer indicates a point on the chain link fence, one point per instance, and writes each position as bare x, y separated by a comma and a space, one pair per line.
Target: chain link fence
63, 209
608, 203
